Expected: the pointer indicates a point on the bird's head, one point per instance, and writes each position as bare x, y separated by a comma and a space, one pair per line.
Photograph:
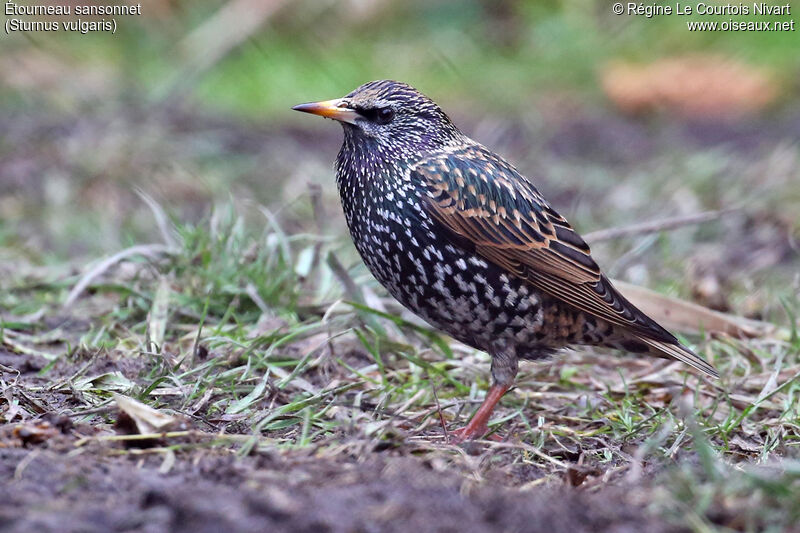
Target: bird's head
389, 115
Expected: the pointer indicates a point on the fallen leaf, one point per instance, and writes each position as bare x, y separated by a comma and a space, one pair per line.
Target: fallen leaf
34, 433
110, 381
146, 419
680, 315
698, 85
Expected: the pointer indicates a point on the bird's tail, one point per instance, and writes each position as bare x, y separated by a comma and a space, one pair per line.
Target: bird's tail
681, 353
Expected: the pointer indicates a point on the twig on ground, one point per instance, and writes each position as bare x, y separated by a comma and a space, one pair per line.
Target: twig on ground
655, 226
161, 218
350, 288
439, 409
147, 250
528, 448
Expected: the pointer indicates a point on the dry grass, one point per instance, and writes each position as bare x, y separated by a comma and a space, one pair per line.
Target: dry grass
247, 339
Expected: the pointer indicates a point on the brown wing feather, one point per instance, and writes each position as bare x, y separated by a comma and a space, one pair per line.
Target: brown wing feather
483, 199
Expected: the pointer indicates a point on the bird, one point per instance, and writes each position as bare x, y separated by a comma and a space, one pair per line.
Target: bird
461, 238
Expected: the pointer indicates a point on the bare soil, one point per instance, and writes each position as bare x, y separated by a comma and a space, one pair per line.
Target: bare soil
53, 490
51, 480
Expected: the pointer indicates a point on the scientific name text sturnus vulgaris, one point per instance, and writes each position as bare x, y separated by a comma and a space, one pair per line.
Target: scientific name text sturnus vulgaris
71, 24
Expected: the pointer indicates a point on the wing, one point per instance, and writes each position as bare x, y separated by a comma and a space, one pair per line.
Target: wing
492, 208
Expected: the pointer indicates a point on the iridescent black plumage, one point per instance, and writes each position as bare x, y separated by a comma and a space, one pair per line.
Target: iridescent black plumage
461, 238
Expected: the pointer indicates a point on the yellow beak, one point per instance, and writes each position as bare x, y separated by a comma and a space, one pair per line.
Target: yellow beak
334, 109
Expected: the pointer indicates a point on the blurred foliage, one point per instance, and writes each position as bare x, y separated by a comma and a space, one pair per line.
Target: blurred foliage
190, 101
498, 55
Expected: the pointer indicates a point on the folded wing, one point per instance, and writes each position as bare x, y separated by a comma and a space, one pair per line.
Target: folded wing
491, 207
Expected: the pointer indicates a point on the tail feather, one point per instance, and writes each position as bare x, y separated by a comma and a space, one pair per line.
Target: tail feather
683, 354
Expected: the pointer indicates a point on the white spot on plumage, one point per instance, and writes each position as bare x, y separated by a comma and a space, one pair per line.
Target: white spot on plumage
478, 262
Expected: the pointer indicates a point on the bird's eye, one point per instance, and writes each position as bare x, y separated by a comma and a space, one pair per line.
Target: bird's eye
384, 115
378, 115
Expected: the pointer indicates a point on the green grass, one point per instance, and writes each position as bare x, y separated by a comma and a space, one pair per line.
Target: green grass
223, 328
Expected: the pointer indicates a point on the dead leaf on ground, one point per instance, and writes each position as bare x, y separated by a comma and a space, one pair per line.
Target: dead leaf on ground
27, 434
146, 419
694, 85
680, 315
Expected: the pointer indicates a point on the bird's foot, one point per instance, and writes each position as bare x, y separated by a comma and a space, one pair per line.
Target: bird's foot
467, 433
479, 424
457, 436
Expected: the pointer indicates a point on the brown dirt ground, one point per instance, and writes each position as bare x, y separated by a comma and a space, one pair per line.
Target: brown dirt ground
50, 482
52, 490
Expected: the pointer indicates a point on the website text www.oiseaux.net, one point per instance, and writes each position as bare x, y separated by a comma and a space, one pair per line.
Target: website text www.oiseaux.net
705, 9
740, 25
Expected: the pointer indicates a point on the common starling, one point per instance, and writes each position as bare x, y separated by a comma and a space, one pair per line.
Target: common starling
462, 239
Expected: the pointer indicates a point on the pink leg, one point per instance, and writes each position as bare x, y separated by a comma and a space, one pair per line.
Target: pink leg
478, 426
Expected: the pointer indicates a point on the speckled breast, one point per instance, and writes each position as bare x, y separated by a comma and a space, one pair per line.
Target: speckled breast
451, 288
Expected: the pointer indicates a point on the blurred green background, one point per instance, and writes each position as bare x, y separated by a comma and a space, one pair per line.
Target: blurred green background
619, 119
252, 59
